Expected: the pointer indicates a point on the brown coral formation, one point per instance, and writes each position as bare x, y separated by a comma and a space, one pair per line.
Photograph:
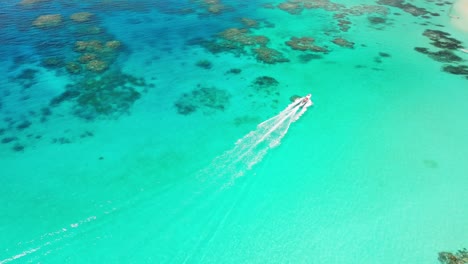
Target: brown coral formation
249, 22
295, 7
73, 68
408, 8
31, 2
87, 57
304, 44
97, 66
459, 257
96, 56
81, 17
89, 46
213, 6
113, 44
48, 21
243, 37
343, 43
292, 8
269, 56
89, 30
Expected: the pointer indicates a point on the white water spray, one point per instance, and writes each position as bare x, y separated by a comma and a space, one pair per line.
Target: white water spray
251, 149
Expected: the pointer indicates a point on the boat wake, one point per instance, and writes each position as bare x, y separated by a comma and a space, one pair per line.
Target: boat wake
251, 149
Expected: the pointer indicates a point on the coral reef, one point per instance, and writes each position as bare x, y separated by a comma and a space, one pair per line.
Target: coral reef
442, 39
304, 44
263, 82
73, 68
87, 57
23, 125
48, 21
7, 140
240, 41
269, 56
343, 43
113, 44
214, 7
304, 58
447, 46
457, 70
204, 99
32, 2
87, 30
408, 8
384, 55
440, 56
205, 64
18, 147
53, 62
81, 17
234, 71
26, 78
249, 22
108, 95
266, 85
89, 46
292, 8
97, 66
460, 257
242, 37
296, 7
96, 55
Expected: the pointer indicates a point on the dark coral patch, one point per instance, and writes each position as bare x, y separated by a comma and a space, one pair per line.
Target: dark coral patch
23, 125
110, 95
7, 140
440, 56
26, 78
291, 7
18, 147
205, 64
442, 39
53, 62
408, 8
376, 20
265, 81
266, 85
457, 70
234, 71
269, 56
304, 44
384, 55
343, 43
204, 99
304, 58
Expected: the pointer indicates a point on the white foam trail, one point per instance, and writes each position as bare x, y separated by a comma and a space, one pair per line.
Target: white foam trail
250, 149
47, 240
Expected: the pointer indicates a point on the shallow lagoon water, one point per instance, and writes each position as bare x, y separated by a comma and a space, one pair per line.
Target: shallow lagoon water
375, 172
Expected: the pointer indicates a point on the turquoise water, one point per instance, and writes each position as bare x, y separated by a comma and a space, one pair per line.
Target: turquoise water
112, 148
